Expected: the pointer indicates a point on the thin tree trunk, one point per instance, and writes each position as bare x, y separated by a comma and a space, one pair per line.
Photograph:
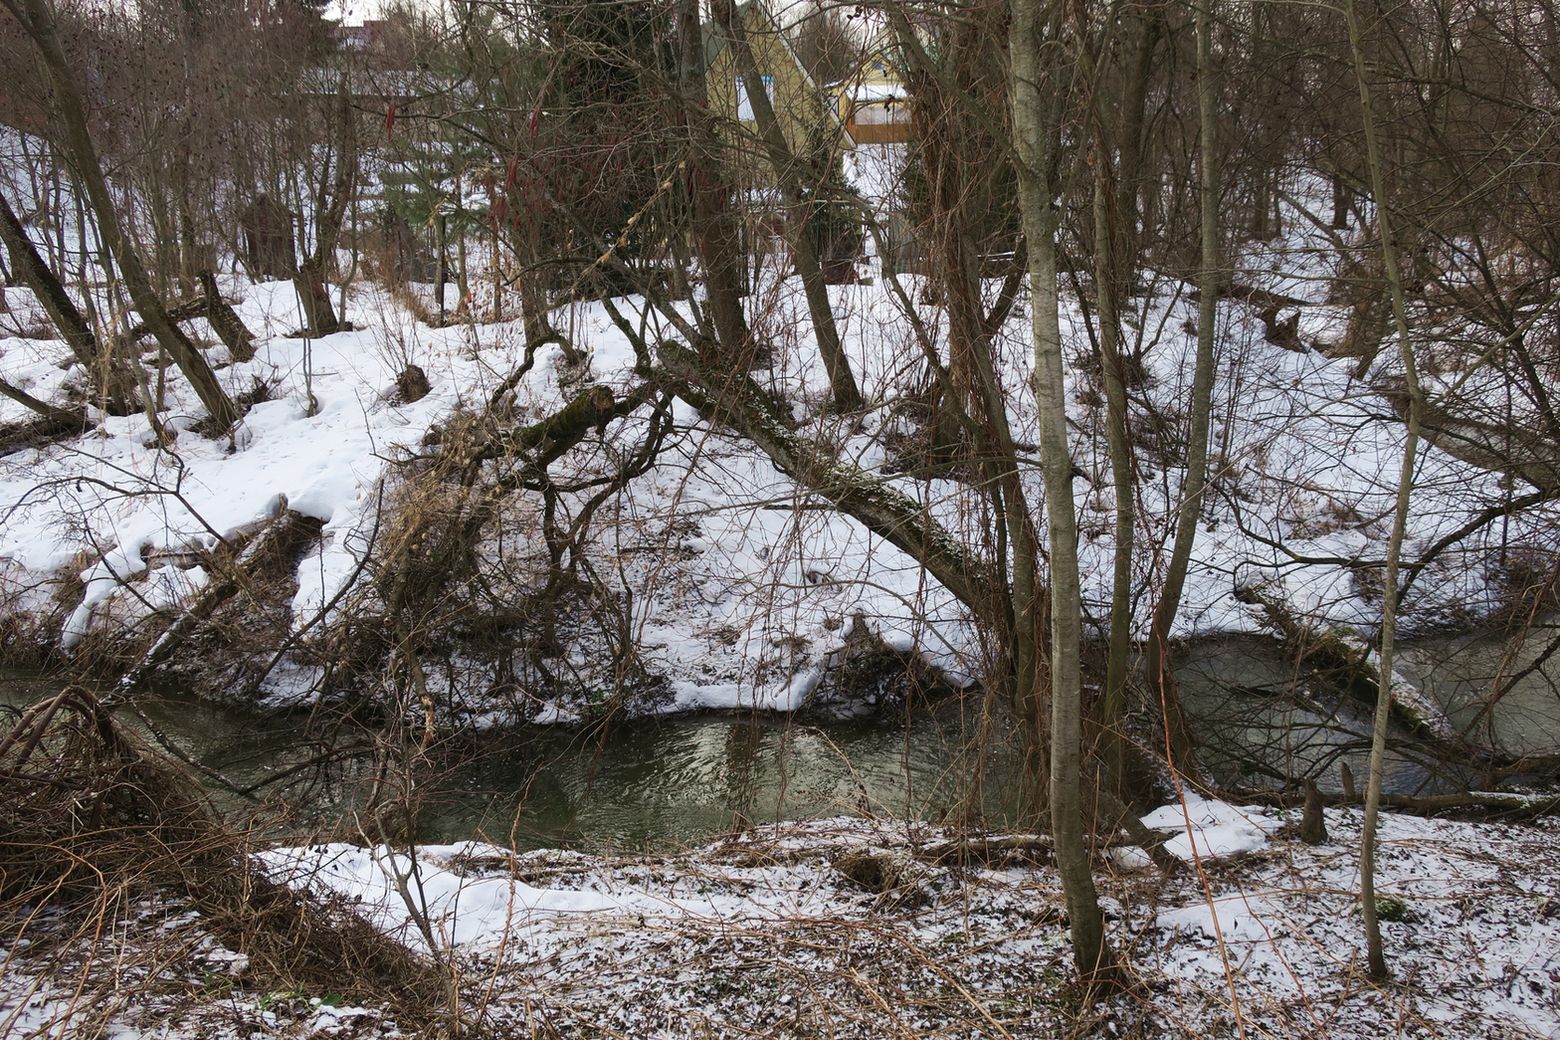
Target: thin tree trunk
845, 396
1034, 132
714, 230
1192, 490
1108, 292
30, 269
1120, 638
1129, 171
1375, 955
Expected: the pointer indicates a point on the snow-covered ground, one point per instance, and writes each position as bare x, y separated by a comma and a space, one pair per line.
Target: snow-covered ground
778, 932
732, 586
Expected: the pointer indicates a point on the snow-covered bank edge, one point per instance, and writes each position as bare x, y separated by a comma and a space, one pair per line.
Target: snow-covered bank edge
778, 932
710, 580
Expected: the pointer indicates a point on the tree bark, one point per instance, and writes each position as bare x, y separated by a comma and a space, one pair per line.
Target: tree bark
108, 375
1108, 293
58, 418
741, 404
30, 269
714, 231
1375, 955
228, 325
313, 295
1178, 740
37, 20
842, 384
1035, 132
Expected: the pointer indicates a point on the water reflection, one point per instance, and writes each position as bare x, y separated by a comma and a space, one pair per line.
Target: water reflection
671, 782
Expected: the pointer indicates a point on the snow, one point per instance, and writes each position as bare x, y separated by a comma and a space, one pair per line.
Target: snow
1208, 829
739, 587
755, 603
761, 931
1477, 952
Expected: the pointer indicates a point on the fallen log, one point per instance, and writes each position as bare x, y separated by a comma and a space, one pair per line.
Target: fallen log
1350, 664
89, 811
733, 398
179, 312
52, 423
1494, 803
1514, 450
275, 540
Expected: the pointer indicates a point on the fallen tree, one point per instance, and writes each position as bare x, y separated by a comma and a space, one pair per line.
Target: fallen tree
733, 398
1348, 663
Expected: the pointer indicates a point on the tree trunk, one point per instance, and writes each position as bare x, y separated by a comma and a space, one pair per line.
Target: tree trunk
1375, 955
714, 229
37, 20
313, 294
845, 396
59, 417
1108, 293
30, 269
1178, 741
114, 385
736, 400
1034, 132
319, 317
228, 325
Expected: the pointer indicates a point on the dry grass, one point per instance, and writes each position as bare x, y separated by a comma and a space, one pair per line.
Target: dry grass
98, 831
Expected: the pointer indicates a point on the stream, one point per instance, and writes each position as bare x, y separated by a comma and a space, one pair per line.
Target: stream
665, 783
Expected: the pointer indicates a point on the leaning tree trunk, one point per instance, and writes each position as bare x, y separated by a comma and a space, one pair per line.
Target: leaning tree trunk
225, 321
30, 269
1389, 594
1178, 740
1034, 131
37, 20
109, 376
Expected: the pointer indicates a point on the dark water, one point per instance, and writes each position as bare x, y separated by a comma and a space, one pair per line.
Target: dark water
646, 783
670, 782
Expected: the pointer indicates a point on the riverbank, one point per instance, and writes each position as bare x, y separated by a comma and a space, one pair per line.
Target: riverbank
255, 569
873, 929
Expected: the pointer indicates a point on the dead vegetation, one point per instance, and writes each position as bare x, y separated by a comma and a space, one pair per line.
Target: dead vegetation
93, 820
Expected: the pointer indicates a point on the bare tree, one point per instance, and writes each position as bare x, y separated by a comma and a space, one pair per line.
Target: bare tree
1389, 596
1033, 43
38, 20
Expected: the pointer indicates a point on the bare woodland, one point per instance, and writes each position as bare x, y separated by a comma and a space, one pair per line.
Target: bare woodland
489, 366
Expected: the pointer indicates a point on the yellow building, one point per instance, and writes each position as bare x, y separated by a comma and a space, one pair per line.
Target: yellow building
805, 114
873, 104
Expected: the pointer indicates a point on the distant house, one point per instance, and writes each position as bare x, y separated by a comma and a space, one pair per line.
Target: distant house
367, 36
805, 113
873, 104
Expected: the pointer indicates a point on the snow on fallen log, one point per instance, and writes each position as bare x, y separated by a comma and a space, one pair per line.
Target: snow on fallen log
272, 544
1350, 658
